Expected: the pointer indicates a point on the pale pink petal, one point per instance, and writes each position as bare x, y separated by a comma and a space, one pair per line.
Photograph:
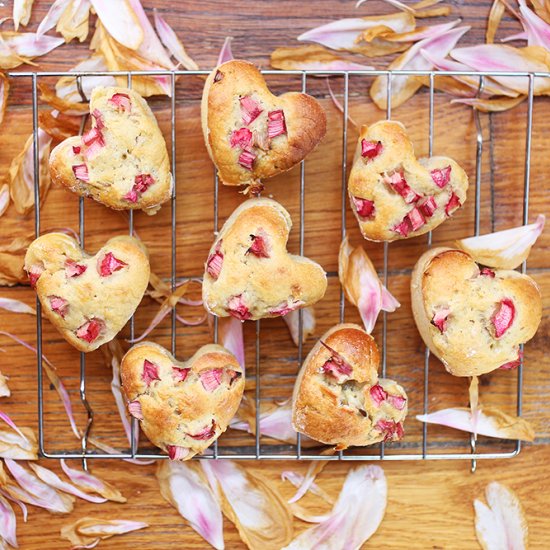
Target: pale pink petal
27, 44
517, 36
21, 12
20, 503
298, 479
225, 53
230, 334
11, 424
8, 523
16, 306
4, 190
342, 34
52, 17
504, 249
292, 321
491, 422
536, 29
53, 480
422, 33
355, 517
501, 524
171, 41
120, 22
185, 487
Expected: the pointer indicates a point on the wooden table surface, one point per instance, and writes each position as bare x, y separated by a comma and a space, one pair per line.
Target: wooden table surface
430, 503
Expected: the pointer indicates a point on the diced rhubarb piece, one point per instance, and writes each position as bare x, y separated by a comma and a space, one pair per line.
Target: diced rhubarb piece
416, 219
363, 207
378, 394
238, 309
261, 139
246, 159
276, 124
453, 204
513, 364
241, 138
403, 228
59, 305
175, 452
93, 135
259, 246
250, 109
218, 76
397, 401
439, 319
142, 182
286, 307
206, 433
76, 149
211, 379
400, 186
73, 269
233, 375
371, 149
503, 317
131, 196
214, 262
34, 274
122, 101
96, 113
428, 207
150, 372
81, 172
134, 408
179, 375
441, 176
390, 429
487, 272
109, 264
90, 330
336, 366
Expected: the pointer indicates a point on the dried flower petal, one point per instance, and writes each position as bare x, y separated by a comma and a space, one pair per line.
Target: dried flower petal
230, 334
17, 48
504, 317
356, 515
16, 306
491, 422
257, 510
292, 320
21, 15
225, 53
362, 286
8, 523
90, 330
88, 532
4, 388
504, 249
93, 484
184, 486
4, 91
312, 58
120, 21
501, 523
492, 104
172, 42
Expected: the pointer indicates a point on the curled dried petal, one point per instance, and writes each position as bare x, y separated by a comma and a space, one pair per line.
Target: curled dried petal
172, 42
88, 532
314, 58
16, 306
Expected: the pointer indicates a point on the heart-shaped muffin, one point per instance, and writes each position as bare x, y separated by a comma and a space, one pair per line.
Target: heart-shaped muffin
122, 160
182, 407
338, 398
87, 298
249, 273
252, 134
473, 318
394, 195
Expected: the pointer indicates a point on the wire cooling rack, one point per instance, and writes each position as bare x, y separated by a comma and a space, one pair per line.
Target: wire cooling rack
259, 449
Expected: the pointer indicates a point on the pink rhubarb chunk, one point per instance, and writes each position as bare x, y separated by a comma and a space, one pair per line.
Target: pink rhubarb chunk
122, 101
371, 149
428, 207
206, 433
59, 305
238, 309
504, 317
400, 186
241, 138
93, 135
513, 364
134, 408
416, 219
363, 207
81, 172
441, 176
259, 247
336, 367
246, 159
286, 307
440, 319
179, 375
276, 124
34, 274
74, 269
76, 149
250, 110
175, 452
150, 372
453, 204
378, 394
390, 429
397, 401
109, 264
486, 272
211, 379
215, 262
90, 330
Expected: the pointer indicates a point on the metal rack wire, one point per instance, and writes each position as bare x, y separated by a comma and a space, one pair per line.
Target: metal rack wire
261, 450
